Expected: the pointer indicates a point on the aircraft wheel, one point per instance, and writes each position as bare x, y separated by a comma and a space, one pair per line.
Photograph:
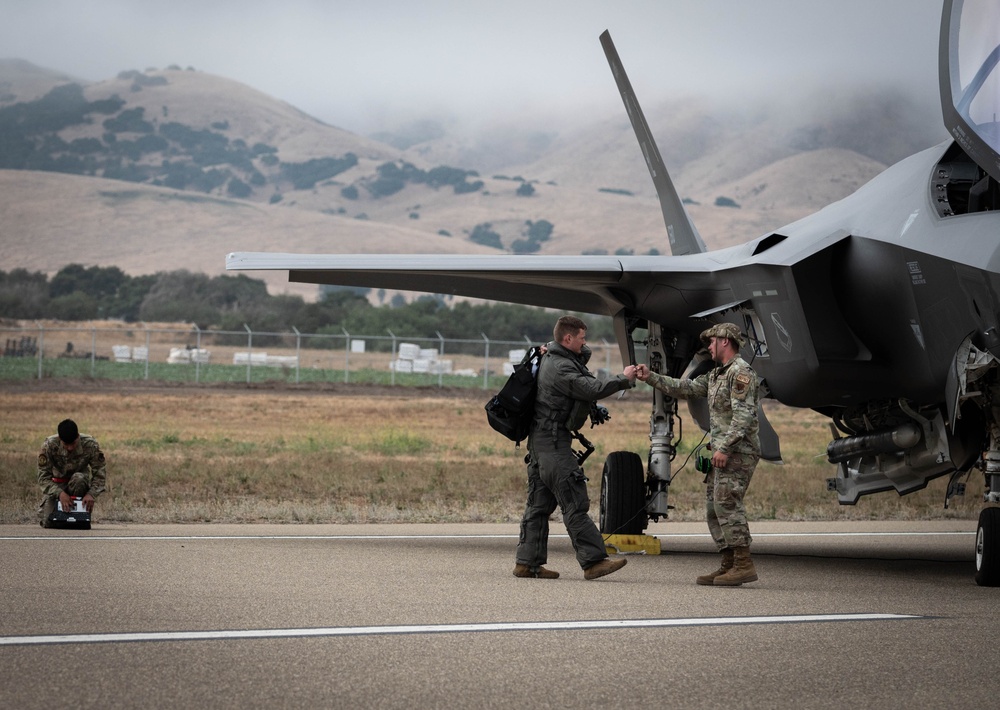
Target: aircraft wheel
623, 495
988, 548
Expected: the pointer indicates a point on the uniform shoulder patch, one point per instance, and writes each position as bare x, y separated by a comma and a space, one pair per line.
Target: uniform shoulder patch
42, 460
741, 384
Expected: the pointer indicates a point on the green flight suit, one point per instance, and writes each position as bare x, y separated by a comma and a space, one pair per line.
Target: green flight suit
566, 389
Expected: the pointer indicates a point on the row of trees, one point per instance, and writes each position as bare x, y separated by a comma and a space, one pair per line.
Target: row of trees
228, 302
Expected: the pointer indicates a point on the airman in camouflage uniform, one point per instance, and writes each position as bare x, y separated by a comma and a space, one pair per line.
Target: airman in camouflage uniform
566, 390
731, 388
70, 464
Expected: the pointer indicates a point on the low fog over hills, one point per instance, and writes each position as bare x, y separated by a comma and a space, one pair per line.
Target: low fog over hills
173, 168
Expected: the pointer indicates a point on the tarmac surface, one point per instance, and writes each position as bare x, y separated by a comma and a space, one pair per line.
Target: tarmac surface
429, 616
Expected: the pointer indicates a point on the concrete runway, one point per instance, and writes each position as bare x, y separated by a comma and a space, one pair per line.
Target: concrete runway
430, 616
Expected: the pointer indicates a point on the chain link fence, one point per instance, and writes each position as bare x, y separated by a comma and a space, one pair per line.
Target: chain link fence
122, 351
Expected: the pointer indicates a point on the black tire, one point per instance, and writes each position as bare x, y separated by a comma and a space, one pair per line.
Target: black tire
988, 548
623, 495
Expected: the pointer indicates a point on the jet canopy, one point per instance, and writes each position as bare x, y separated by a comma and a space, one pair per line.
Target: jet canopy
970, 79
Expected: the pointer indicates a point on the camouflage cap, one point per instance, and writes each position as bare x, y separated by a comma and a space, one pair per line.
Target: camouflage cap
723, 330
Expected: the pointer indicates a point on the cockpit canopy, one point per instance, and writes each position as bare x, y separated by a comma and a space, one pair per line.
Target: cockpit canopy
970, 79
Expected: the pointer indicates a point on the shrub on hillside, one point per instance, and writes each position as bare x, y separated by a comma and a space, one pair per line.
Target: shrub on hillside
464, 188
484, 234
128, 121
540, 231
525, 246
390, 179
239, 189
304, 176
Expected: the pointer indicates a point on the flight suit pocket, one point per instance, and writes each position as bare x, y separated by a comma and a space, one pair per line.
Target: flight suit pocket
576, 491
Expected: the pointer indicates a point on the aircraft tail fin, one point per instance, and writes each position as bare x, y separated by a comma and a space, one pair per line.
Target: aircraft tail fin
684, 238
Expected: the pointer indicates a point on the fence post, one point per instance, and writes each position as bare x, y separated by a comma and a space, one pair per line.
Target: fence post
298, 352
392, 361
197, 359
486, 362
41, 347
147, 350
93, 350
347, 355
441, 354
249, 350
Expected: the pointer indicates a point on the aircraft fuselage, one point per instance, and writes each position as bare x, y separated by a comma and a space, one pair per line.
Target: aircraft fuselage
868, 298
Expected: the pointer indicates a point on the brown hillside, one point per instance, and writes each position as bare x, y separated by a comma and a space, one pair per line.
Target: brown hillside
50, 220
24, 81
581, 179
199, 100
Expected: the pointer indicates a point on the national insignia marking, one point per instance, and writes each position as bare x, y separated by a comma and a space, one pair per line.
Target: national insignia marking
42, 460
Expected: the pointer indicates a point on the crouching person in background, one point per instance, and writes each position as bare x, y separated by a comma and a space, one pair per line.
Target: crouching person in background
70, 465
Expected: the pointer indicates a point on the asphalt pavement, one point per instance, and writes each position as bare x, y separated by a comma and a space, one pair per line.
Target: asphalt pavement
430, 616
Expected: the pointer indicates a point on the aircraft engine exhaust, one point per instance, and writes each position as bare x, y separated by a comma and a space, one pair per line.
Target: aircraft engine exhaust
883, 442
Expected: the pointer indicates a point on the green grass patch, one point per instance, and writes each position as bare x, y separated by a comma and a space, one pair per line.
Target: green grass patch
27, 369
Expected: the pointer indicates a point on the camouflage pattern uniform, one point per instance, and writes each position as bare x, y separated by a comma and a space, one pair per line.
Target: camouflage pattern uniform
566, 390
731, 390
77, 472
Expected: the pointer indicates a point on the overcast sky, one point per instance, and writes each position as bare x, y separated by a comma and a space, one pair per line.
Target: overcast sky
359, 64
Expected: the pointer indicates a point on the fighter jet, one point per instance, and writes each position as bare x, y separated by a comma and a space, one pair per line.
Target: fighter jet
880, 311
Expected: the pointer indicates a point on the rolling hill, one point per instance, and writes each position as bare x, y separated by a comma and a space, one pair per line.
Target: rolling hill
170, 169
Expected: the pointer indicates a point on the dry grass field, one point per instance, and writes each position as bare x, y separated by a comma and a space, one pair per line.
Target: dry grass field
356, 454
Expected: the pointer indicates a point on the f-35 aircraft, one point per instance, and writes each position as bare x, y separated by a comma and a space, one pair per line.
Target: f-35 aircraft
881, 311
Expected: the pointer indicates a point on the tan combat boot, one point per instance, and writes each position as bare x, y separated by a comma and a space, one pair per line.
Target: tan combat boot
727, 564
742, 571
537, 572
604, 567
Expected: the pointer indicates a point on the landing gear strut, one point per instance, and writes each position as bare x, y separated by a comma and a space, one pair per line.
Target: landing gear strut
976, 377
631, 496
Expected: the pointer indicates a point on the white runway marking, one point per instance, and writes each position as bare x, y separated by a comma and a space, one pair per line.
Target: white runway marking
444, 629
512, 536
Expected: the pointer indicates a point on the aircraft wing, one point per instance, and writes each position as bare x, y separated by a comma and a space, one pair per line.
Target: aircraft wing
587, 284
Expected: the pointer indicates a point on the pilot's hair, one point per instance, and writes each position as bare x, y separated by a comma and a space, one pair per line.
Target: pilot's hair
68, 433
567, 325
